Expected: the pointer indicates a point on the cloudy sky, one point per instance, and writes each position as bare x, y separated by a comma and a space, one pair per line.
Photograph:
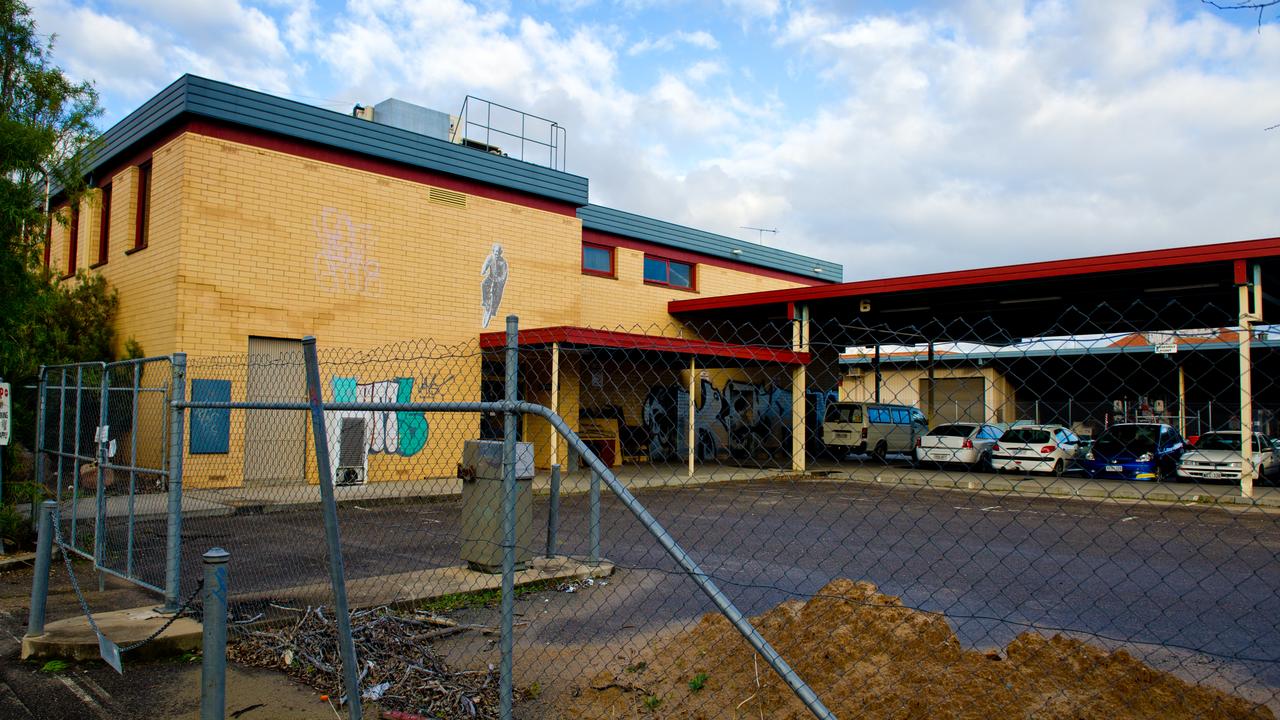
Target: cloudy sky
893, 137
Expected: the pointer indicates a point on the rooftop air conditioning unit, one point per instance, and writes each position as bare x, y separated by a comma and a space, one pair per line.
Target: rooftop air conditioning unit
353, 453
853, 372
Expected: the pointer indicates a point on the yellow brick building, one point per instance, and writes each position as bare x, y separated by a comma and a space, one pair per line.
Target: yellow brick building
234, 223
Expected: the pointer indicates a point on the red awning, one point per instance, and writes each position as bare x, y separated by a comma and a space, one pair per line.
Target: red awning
636, 341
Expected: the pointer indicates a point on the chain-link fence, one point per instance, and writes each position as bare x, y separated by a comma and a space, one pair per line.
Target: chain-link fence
948, 520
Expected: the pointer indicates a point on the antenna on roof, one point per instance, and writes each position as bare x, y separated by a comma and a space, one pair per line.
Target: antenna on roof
759, 232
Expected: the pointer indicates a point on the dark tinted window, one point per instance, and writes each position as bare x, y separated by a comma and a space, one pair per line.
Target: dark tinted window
952, 431
1025, 435
1131, 438
902, 417
597, 259
844, 413
1223, 441
655, 270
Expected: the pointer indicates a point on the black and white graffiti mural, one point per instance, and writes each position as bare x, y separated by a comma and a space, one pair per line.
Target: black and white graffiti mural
495, 272
740, 420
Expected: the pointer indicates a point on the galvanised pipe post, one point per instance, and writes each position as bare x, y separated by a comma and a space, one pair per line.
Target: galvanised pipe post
173, 538
41, 409
100, 505
329, 508
506, 684
213, 667
553, 513
40, 581
593, 522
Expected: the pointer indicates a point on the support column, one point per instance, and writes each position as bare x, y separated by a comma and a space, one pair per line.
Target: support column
693, 421
1182, 401
879, 379
1248, 316
555, 401
800, 342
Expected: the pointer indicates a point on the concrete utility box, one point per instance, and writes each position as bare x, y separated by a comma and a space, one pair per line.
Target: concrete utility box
481, 474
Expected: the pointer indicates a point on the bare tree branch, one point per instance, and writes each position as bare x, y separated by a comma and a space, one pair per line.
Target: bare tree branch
1258, 5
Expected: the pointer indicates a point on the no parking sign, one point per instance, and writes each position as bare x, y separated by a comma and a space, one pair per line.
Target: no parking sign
4, 413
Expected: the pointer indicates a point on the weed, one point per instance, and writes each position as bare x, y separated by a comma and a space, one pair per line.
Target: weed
190, 656
480, 598
637, 667
534, 690
698, 682
55, 666
652, 702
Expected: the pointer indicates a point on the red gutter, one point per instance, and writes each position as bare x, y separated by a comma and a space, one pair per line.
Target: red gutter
634, 341
1096, 265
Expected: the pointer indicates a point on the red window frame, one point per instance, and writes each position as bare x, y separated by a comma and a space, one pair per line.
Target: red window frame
73, 241
143, 220
104, 228
693, 273
613, 260
48, 239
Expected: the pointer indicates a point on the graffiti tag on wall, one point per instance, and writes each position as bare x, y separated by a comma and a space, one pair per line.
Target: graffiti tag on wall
346, 262
739, 419
398, 433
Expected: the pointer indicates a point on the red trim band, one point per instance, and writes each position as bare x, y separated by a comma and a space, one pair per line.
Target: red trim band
1097, 265
346, 158
635, 341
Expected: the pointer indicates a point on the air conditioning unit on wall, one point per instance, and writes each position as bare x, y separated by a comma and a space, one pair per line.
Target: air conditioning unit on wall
353, 453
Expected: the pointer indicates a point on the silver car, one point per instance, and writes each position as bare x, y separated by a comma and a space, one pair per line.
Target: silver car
963, 443
1216, 456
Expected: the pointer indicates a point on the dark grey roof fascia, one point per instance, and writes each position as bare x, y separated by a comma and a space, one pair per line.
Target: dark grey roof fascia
603, 219
200, 97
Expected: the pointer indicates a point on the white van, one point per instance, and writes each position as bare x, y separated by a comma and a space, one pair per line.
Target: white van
872, 427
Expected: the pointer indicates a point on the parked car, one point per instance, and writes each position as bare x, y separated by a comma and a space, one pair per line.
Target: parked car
1216, 456
875, 427
1035, 448
1135, 451
964, 443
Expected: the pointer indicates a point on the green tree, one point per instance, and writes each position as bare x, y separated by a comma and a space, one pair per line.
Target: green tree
46, 129
46, 132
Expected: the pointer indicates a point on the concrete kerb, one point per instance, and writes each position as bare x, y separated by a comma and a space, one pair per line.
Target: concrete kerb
72, 638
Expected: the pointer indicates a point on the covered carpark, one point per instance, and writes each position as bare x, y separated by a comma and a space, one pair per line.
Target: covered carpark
1184, 321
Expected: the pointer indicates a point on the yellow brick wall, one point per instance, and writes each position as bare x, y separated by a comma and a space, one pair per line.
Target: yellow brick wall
253, 242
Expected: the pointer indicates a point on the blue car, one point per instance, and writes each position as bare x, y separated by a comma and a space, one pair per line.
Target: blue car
1135, 451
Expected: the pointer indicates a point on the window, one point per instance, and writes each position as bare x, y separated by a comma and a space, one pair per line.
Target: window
73, 240
104, 228
661, 271
901, 417
143, 228
597, 260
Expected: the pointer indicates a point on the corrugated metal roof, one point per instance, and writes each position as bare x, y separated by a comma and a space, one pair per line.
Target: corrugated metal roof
200, 97
603, 219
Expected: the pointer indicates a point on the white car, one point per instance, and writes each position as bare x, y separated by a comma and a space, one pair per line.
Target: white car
963, 443
1035, 448
1216, 456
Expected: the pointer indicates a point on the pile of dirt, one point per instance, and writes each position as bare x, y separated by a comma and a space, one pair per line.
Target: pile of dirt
867, 656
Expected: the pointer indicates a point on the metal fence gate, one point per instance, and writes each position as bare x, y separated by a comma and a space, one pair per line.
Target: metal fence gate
102, 449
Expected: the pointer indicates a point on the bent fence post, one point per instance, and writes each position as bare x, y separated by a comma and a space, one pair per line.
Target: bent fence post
329, 509
173, 539
505, 682
40, 580
213, 667
691, 568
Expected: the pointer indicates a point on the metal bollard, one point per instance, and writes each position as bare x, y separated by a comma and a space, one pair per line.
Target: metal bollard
213, 668
594, 520
553, 514
40, 581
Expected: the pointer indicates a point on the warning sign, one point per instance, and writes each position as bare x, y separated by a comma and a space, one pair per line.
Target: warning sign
5, 413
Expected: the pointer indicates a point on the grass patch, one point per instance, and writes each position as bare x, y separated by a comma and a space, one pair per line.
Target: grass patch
479, 598
699, 681
652, 702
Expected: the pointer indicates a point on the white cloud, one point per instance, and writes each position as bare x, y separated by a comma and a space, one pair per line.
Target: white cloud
698, 38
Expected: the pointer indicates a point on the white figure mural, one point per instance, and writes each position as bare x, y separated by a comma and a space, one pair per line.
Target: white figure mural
494, 271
